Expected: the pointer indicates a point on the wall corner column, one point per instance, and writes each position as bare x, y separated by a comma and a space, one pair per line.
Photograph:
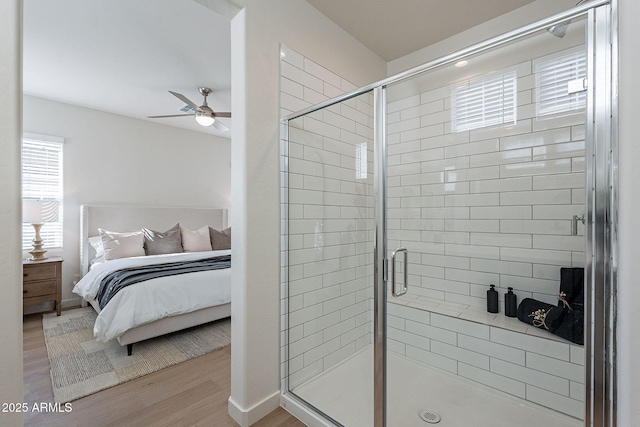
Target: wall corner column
255, 296
10, 208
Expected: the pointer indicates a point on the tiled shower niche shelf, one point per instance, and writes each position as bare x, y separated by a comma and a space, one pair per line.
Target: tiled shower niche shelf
472, 314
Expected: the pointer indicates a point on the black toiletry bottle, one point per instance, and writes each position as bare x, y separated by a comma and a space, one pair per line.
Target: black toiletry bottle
492, 299
510, 303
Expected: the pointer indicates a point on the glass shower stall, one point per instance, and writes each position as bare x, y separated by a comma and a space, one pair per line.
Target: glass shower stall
406, 201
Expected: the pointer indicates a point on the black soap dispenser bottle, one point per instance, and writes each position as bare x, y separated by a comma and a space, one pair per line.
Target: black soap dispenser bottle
492, 299
510, 303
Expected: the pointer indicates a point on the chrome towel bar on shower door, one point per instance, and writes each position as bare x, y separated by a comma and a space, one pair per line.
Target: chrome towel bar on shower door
403, 291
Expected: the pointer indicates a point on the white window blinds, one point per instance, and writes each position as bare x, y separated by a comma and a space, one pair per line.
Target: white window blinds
552, 78
484, 102
361, 161
42, 181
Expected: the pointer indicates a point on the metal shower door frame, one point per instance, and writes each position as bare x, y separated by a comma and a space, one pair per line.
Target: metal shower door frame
601, 217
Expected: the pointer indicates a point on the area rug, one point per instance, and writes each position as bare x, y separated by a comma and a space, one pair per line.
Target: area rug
81, 366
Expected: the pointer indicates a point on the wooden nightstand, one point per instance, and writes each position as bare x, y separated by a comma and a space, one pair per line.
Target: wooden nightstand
42, 281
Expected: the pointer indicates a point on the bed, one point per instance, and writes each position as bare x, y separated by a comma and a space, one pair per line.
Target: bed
145, 313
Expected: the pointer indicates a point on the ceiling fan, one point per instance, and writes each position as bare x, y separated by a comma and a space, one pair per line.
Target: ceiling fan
204, 115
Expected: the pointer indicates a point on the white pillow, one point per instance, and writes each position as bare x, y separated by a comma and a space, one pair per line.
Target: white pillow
96, 242
195, 241
97, 260
122, 245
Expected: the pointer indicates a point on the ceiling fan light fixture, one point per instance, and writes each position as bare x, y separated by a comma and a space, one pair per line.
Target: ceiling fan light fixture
203, 114
204, 118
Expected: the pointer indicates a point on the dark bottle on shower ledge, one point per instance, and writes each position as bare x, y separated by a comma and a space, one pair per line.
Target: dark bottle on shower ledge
492, 299
510, 303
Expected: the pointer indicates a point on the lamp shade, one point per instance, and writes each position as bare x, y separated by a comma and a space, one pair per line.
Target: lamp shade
32, 211
39, 211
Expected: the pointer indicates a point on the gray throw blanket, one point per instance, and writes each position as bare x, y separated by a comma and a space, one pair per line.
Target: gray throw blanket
117, 280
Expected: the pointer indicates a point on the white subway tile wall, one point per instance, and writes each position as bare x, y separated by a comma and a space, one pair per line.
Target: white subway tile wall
494, 350
329, 207
490, 205
493, 205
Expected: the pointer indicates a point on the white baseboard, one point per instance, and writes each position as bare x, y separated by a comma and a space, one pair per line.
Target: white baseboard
73, 302
49, 305
246, 417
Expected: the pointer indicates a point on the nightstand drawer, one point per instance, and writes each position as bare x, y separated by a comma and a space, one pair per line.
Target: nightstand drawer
39, 272
34, 289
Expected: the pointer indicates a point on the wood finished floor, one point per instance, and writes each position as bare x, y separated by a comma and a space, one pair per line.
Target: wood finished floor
192, 393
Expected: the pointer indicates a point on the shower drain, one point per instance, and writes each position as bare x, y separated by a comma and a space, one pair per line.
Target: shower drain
429, 417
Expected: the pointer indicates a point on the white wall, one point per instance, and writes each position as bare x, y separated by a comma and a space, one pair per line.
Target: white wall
628, 350
115, 160
10, 209
257, 33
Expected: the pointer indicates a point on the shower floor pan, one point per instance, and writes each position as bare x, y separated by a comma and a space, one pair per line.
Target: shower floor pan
345, 392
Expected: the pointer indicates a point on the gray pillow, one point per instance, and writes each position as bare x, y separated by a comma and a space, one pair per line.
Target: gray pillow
220, 240
156, 243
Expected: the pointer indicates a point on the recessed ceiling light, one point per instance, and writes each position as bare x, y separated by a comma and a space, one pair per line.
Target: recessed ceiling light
461, 63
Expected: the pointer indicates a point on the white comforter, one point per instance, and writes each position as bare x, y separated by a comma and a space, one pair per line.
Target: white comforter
154, 299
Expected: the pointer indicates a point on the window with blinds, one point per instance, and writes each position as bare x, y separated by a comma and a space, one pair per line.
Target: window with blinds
42, 181
488, 101
553, 75
361, 161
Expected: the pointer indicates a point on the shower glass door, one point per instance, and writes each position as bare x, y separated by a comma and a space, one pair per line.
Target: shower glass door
449, 234
485, 185
329, 237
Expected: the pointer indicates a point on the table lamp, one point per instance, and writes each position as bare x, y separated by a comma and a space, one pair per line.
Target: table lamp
38, 212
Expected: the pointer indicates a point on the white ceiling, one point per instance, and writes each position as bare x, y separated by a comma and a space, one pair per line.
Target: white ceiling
123, 56
394, 28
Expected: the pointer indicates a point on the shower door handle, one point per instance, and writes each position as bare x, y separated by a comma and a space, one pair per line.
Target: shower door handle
403, 291
574, 224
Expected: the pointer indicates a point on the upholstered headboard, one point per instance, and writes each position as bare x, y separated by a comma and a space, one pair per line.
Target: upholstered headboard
131, 218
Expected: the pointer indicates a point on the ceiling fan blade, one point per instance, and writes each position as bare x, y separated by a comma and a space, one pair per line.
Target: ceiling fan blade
216, 114
186, 100
220, 126
171, 115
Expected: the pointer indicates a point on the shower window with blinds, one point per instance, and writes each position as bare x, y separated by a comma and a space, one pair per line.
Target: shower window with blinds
553, 74
42, 170
361, 161
487, 101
